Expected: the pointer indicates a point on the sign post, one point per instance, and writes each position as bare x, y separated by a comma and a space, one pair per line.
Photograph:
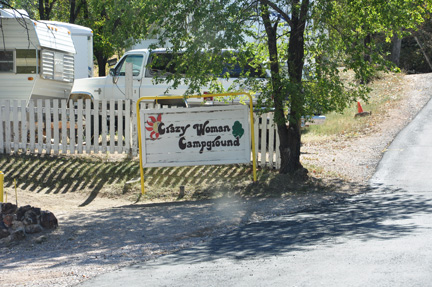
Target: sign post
195, 136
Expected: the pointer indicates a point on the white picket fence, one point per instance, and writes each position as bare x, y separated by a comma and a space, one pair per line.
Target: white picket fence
54, 127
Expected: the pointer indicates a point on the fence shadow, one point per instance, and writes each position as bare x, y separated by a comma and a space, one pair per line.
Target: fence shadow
109, 174
65, 174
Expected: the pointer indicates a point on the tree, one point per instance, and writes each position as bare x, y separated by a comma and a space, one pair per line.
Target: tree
75, 8
43, 8
306, 45
116, 24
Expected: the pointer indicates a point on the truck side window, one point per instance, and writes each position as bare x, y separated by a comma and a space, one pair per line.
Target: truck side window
6, 62
234, 70
136, 61
162, 64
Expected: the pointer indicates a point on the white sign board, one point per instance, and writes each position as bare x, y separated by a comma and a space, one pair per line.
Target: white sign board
195, 136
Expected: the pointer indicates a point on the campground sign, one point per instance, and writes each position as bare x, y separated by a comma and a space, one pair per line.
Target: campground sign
195, 136
206, 135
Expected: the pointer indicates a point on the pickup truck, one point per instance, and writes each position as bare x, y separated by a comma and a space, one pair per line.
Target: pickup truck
112, 87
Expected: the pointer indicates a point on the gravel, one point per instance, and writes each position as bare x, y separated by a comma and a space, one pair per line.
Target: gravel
97, 240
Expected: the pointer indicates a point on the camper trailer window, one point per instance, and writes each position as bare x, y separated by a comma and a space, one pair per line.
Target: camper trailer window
57, 66
6, 62
26, 62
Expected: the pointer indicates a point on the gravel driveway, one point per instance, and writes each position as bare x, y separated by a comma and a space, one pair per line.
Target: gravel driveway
105, 237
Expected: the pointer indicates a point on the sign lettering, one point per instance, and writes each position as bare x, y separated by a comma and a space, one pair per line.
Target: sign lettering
195, 136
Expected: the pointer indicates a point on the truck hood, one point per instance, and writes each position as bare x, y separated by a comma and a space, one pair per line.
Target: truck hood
86, 84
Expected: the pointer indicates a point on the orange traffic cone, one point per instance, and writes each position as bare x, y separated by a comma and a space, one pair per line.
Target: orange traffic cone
361, 113
359, 108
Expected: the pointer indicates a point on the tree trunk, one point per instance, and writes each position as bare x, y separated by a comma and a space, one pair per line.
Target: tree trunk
72, 13
290, 152
289, 135
41, 9
75, 9
396, 49
366, 42
102, 61
45, 7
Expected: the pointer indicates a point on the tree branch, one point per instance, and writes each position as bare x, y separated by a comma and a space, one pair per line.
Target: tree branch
304, 9
423, 51
280, 11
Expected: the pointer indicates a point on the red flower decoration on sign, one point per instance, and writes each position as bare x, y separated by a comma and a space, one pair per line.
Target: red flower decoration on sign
153, 126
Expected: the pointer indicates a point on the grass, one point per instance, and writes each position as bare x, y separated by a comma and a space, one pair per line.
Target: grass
386, 91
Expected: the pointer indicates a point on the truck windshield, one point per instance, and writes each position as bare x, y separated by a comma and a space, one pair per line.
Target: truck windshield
162, 64
136, 61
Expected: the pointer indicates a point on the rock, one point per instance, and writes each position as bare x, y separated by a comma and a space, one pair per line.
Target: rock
7, 220
33, 228
16, 222
17, 225
363, 114
48, 220
22, 210
30, 217
8, 208
4, 233
18, 235
41, 239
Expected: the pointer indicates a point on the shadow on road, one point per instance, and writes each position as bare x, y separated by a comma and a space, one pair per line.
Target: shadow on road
136, 233
369, 216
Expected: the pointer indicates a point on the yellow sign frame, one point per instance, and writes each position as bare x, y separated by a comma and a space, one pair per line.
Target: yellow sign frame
1, 186
189, 97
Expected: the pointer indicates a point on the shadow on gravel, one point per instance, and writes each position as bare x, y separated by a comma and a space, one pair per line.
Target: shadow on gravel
137, 233
364, 217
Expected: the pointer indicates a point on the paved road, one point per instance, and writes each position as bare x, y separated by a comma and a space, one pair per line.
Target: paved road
381, 238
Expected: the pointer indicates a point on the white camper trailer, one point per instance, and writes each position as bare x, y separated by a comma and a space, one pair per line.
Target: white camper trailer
36, 59
82, 38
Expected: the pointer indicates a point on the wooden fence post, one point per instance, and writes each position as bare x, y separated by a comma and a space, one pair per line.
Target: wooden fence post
64, 128
32, 126
7, 128
23, 130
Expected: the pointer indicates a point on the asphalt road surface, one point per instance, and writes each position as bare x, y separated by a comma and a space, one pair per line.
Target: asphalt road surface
380, 238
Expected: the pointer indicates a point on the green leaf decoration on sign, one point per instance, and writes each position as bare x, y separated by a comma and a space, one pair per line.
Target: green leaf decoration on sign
238, 130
